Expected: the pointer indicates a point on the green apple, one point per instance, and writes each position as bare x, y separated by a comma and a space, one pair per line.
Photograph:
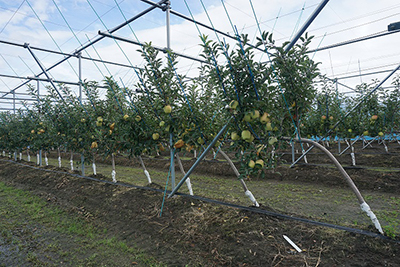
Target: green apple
365, 133
380, 134
200, 141
272, 140
233, 104
255, 114
264, 118
248, 117
235, 136
268, 127
126, 117
155, 136
350, 130
260, 163
162, 123
251, 164
167, 109
138, 118
246, 135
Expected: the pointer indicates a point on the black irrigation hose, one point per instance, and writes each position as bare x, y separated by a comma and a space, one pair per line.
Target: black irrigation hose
250, 209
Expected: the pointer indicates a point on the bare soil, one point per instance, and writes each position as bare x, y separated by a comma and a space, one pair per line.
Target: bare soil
192, 232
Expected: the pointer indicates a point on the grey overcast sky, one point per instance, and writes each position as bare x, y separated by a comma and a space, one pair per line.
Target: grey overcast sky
41, 23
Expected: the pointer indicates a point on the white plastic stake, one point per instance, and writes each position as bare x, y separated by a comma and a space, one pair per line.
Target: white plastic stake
94, 168
148, 176
292, 244
252, 198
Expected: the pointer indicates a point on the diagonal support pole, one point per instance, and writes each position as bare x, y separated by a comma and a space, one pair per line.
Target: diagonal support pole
26, 45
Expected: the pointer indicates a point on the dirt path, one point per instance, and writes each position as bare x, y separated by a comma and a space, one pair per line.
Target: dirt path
196, 233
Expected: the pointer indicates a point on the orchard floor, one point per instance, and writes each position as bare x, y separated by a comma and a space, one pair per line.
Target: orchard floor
192, 232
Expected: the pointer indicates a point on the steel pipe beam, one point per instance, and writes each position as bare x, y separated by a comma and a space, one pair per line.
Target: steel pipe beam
93, 42
119, 38
306, 24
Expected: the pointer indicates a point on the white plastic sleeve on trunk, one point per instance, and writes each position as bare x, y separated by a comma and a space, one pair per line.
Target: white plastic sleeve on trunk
189, 186
59, 162
37, 159
94, 168
148, 176
252, 198
46, 161
29, 158
20, 156
305, 157
353, 158
4, 153
72, 164
365, 207
113, 174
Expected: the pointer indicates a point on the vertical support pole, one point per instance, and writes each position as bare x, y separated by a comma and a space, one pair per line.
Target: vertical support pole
293, 156
167, 12
14, 102
80, 75
83, 164
38, 88
40, 157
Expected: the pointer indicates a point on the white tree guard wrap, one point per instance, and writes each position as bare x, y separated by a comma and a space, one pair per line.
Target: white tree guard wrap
71, 162
148, 176
4, 153
353, 157
20, 156
365, 207
37, 159
305, 157
189, 186
94, 168
113, 175
59, 162
46, 161
252, 198
29, 158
